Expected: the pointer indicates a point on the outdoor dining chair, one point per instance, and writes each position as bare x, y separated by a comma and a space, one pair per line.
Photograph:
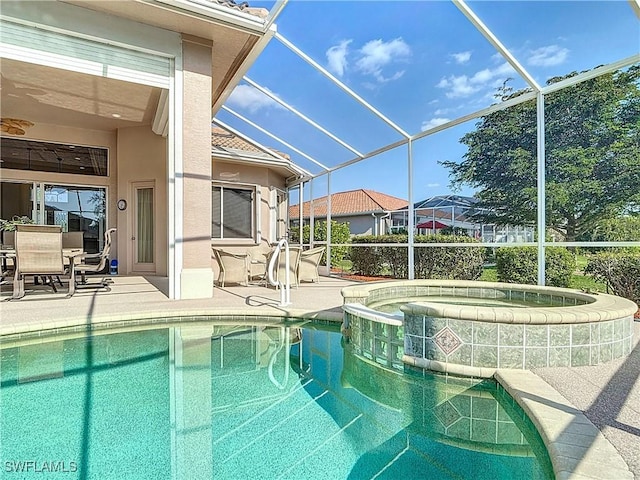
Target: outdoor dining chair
38, 251
97, 263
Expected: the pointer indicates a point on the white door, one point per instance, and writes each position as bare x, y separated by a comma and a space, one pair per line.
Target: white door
143, 238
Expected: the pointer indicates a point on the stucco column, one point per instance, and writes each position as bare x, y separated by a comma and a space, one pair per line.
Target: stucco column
197, 274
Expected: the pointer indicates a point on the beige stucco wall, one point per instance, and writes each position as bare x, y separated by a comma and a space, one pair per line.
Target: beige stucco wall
196, 276
142, 157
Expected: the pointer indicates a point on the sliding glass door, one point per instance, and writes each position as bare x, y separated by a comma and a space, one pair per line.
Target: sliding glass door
74, 208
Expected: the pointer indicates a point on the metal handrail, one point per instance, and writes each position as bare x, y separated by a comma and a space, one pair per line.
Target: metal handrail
285, 289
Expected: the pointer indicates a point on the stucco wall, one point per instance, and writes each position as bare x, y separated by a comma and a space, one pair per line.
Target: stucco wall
142, 157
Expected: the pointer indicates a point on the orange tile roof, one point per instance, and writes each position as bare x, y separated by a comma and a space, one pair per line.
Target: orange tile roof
224, 139
351, 202
243, 7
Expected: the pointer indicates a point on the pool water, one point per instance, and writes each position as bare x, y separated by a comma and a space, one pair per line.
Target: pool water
205, 401
393, 307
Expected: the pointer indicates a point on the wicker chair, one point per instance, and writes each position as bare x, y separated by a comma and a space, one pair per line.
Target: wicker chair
308, 267
294, 260
234, 267
38, 252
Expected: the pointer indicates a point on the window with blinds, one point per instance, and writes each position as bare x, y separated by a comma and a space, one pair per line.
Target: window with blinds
232, 212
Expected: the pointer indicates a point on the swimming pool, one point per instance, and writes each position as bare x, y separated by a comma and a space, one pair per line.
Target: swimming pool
225, 401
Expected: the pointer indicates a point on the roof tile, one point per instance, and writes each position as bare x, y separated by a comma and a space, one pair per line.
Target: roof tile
350, 202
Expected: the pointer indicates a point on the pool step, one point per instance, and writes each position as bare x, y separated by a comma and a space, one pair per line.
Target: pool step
286, 439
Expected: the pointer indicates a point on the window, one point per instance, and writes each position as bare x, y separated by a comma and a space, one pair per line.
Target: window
232, 212
19, 154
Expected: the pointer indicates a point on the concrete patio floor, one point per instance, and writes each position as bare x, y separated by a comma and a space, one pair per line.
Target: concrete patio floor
608, 395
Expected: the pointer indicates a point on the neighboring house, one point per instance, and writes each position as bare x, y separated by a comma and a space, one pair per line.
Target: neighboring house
106, 118
458, 212
366, 211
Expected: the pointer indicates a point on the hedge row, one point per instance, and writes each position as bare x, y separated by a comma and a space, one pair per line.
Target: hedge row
520, 265
463, 263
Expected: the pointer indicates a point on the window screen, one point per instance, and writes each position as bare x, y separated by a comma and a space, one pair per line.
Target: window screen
231, 212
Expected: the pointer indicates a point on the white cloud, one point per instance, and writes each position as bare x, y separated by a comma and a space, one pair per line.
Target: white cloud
464, 86
433, 185
548, 56
249, 98
337, 57
376, 55
434, 122
461, 57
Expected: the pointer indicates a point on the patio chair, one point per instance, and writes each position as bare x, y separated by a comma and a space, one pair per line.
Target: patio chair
308, 267
98, 261
234, 267
73, 240
38, 251
7, 259
294, 260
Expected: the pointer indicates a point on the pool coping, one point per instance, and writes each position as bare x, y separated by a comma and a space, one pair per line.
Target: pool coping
598, 307
577, 449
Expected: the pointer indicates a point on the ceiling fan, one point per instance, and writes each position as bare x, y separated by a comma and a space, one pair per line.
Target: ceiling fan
14, 126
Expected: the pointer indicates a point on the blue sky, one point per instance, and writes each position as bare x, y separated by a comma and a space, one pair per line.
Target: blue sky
420, 63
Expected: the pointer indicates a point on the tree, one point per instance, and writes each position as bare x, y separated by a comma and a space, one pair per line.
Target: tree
592, 147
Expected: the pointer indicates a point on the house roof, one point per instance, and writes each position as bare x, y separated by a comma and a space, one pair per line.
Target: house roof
225, 141
243, 7
234, 149
349, 203
443, 201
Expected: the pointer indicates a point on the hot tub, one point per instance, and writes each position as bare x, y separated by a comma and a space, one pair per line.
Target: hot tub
473, 328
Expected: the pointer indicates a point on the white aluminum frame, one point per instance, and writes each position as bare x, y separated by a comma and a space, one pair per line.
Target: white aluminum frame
538, 93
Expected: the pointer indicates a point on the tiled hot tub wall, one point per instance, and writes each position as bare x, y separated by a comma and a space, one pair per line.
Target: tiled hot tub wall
561, 327
499, 345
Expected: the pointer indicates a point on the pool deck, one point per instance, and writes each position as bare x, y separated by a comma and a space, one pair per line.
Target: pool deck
589, 417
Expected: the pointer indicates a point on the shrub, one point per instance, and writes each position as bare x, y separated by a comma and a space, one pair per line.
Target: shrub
366, 260
340, 233
520, 265
619, 271
464, 263
461, 263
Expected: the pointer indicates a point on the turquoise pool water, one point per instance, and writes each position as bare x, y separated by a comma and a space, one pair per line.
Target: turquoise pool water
393, 306
228, 402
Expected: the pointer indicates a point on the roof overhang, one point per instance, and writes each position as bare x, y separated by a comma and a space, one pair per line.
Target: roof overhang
282, 167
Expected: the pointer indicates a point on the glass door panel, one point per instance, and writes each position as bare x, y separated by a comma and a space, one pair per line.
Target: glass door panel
144, 225
78, 209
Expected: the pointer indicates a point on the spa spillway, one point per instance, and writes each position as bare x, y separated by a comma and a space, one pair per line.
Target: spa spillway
473, 328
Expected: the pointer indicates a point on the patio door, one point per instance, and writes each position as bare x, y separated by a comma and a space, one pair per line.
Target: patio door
143, 237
